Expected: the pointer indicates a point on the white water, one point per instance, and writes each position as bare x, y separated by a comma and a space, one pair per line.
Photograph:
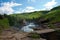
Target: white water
28, 28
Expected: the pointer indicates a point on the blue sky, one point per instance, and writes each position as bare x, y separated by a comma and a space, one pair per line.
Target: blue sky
20, 6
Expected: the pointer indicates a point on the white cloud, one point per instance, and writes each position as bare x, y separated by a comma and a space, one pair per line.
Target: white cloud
29, 9
7, 7
49, 5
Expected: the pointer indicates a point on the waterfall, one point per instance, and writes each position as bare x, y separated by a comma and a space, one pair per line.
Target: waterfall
28, 28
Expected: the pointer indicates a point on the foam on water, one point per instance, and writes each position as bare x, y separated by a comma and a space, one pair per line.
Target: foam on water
28, 28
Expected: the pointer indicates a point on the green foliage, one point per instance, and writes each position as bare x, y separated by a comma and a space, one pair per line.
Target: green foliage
51, 26
56, 8
4, 24
35, 36
54, 16
32, 15
11, 20
58, 31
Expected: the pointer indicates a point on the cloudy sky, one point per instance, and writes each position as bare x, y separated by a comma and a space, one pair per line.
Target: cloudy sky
20, 6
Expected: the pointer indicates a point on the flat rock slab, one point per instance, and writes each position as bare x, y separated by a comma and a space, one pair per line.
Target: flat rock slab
15, 36
44, 31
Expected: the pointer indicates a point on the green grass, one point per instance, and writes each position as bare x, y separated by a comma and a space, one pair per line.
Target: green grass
51, 26
32, 15
4, 24
35, 35
54, 16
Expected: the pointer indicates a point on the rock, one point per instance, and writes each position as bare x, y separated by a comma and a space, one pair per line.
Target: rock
10, 35
57, 25
27, 38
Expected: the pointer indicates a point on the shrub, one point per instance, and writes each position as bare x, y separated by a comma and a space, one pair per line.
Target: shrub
4, 24
35, 35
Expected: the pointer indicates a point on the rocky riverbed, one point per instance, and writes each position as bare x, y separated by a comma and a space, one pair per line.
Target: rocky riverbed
14, 35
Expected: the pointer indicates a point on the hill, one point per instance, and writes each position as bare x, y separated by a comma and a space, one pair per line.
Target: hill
32, 15
56, 8
53, 15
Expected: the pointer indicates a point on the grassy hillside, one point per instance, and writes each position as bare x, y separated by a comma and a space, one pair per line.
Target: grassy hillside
54, 15
56, 8
32, 15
